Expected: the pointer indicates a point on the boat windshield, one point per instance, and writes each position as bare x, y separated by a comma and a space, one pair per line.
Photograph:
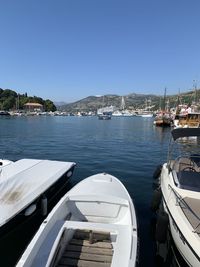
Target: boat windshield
184, 145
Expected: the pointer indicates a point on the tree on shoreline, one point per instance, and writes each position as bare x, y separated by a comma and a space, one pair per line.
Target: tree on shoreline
10, 100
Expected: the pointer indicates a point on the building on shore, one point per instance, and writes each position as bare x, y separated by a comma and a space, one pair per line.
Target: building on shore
33, 107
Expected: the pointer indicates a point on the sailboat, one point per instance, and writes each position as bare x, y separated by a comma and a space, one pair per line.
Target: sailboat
163, 118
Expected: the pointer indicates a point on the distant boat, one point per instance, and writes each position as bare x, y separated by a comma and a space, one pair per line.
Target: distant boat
117, 113
163, 119
146, 113
122, 113
105, 116
94, 224
28, 188
4, 113
105, 113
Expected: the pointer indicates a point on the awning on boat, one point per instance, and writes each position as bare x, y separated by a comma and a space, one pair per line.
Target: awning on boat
185, 132
24, 180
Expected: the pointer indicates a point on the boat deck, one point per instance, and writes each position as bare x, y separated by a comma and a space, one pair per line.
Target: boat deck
87, 249
193, 217
74, 238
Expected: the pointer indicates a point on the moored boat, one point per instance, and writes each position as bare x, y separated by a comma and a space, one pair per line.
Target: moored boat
105, 116
180, 186
4, 113
188, 120
163, 119
94, 224
30, 187
145, 114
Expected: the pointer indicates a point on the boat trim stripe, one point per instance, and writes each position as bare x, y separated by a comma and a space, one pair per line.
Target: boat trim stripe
188, 244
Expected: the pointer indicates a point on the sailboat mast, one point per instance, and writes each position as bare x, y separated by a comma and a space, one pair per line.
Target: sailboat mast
195, 90
164, 100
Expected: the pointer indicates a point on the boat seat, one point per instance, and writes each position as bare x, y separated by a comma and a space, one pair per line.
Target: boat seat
188, 180
196, 158
183, 163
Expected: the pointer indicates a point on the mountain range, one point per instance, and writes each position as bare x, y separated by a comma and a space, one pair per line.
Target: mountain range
132, 101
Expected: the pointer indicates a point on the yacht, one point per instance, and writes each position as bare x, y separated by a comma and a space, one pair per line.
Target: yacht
180, 187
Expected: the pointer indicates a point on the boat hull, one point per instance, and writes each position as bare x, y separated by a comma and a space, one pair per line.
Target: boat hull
181, 231
20, 229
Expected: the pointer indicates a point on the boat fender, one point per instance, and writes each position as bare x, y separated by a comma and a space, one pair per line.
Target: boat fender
157, 171
162, 227
44, 205
156, 199
156, 183
30, 210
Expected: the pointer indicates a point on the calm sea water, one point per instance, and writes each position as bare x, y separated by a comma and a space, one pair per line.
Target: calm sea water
128, 148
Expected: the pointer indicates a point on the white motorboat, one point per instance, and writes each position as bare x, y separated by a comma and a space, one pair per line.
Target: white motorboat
145, 115
94, 224
30, 187
180, 186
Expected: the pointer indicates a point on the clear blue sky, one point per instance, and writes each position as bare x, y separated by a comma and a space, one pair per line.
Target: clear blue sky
66, 50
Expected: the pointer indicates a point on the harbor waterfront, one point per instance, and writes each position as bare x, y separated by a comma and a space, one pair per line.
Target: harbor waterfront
129, 148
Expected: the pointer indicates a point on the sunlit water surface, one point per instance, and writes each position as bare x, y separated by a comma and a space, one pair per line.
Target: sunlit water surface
128, 148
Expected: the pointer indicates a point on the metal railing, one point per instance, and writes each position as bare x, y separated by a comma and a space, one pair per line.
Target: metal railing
179, 200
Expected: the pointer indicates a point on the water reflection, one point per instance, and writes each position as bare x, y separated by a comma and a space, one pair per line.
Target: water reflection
167, 254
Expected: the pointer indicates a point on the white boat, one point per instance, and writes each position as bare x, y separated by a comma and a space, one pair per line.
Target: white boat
145, 115
146, 112
94, 224
122, 113
30, 187
180, 186
117, 113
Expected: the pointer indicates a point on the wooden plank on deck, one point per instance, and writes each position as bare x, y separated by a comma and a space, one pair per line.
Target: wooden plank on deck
82, 263
87, 244
92, 250
87, 256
